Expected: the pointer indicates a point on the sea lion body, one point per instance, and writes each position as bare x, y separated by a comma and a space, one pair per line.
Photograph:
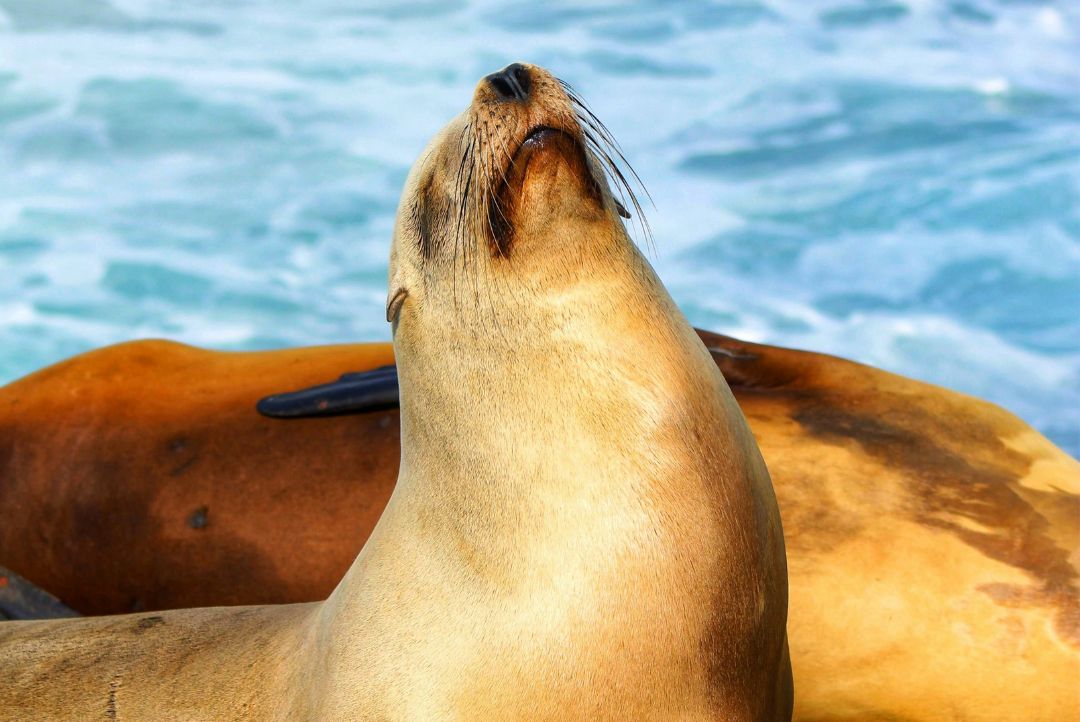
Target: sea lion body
139, 477
932, 537
602, 543
933, 543
191, 664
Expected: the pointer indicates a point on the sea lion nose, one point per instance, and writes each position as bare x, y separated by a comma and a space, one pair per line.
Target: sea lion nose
511, 83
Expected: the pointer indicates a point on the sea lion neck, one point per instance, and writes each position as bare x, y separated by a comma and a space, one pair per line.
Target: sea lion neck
600, 445
518, 351
486, 410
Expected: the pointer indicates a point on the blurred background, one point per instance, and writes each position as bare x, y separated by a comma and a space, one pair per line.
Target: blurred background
895, 181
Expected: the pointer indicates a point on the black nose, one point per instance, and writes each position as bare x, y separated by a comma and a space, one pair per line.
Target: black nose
511, 83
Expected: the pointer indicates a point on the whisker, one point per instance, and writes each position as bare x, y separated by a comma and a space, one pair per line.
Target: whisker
508, 259
505, 182
621, 184
458, 231
605, 162
485, 207
481, 214
605, 134
609, 154
463, 210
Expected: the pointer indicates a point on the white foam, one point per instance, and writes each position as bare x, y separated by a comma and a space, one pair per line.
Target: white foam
1051, 22
993, 86
351, 97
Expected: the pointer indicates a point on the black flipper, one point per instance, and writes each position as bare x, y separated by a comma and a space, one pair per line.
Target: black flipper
350, 394
19, 599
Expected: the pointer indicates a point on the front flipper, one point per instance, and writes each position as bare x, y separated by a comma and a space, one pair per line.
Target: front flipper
350, 394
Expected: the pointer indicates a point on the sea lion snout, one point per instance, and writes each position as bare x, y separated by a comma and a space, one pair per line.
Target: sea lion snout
511, 83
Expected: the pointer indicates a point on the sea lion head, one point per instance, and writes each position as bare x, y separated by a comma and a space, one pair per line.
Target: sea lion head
512, 194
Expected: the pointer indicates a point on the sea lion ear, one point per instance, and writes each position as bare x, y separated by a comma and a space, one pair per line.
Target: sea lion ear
393, 303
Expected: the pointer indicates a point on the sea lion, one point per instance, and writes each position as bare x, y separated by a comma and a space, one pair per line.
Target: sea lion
932, 537
601, 543
139, 477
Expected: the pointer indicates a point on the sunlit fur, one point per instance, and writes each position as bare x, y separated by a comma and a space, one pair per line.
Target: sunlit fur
582, 528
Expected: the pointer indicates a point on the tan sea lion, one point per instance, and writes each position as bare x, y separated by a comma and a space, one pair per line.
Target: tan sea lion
602, 542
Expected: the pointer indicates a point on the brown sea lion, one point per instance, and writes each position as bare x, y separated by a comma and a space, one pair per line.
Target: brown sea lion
140, 477
602, 542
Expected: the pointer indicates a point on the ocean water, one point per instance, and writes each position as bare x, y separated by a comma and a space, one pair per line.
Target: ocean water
896, 181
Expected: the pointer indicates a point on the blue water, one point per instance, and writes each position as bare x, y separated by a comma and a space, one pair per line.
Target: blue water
895, 181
